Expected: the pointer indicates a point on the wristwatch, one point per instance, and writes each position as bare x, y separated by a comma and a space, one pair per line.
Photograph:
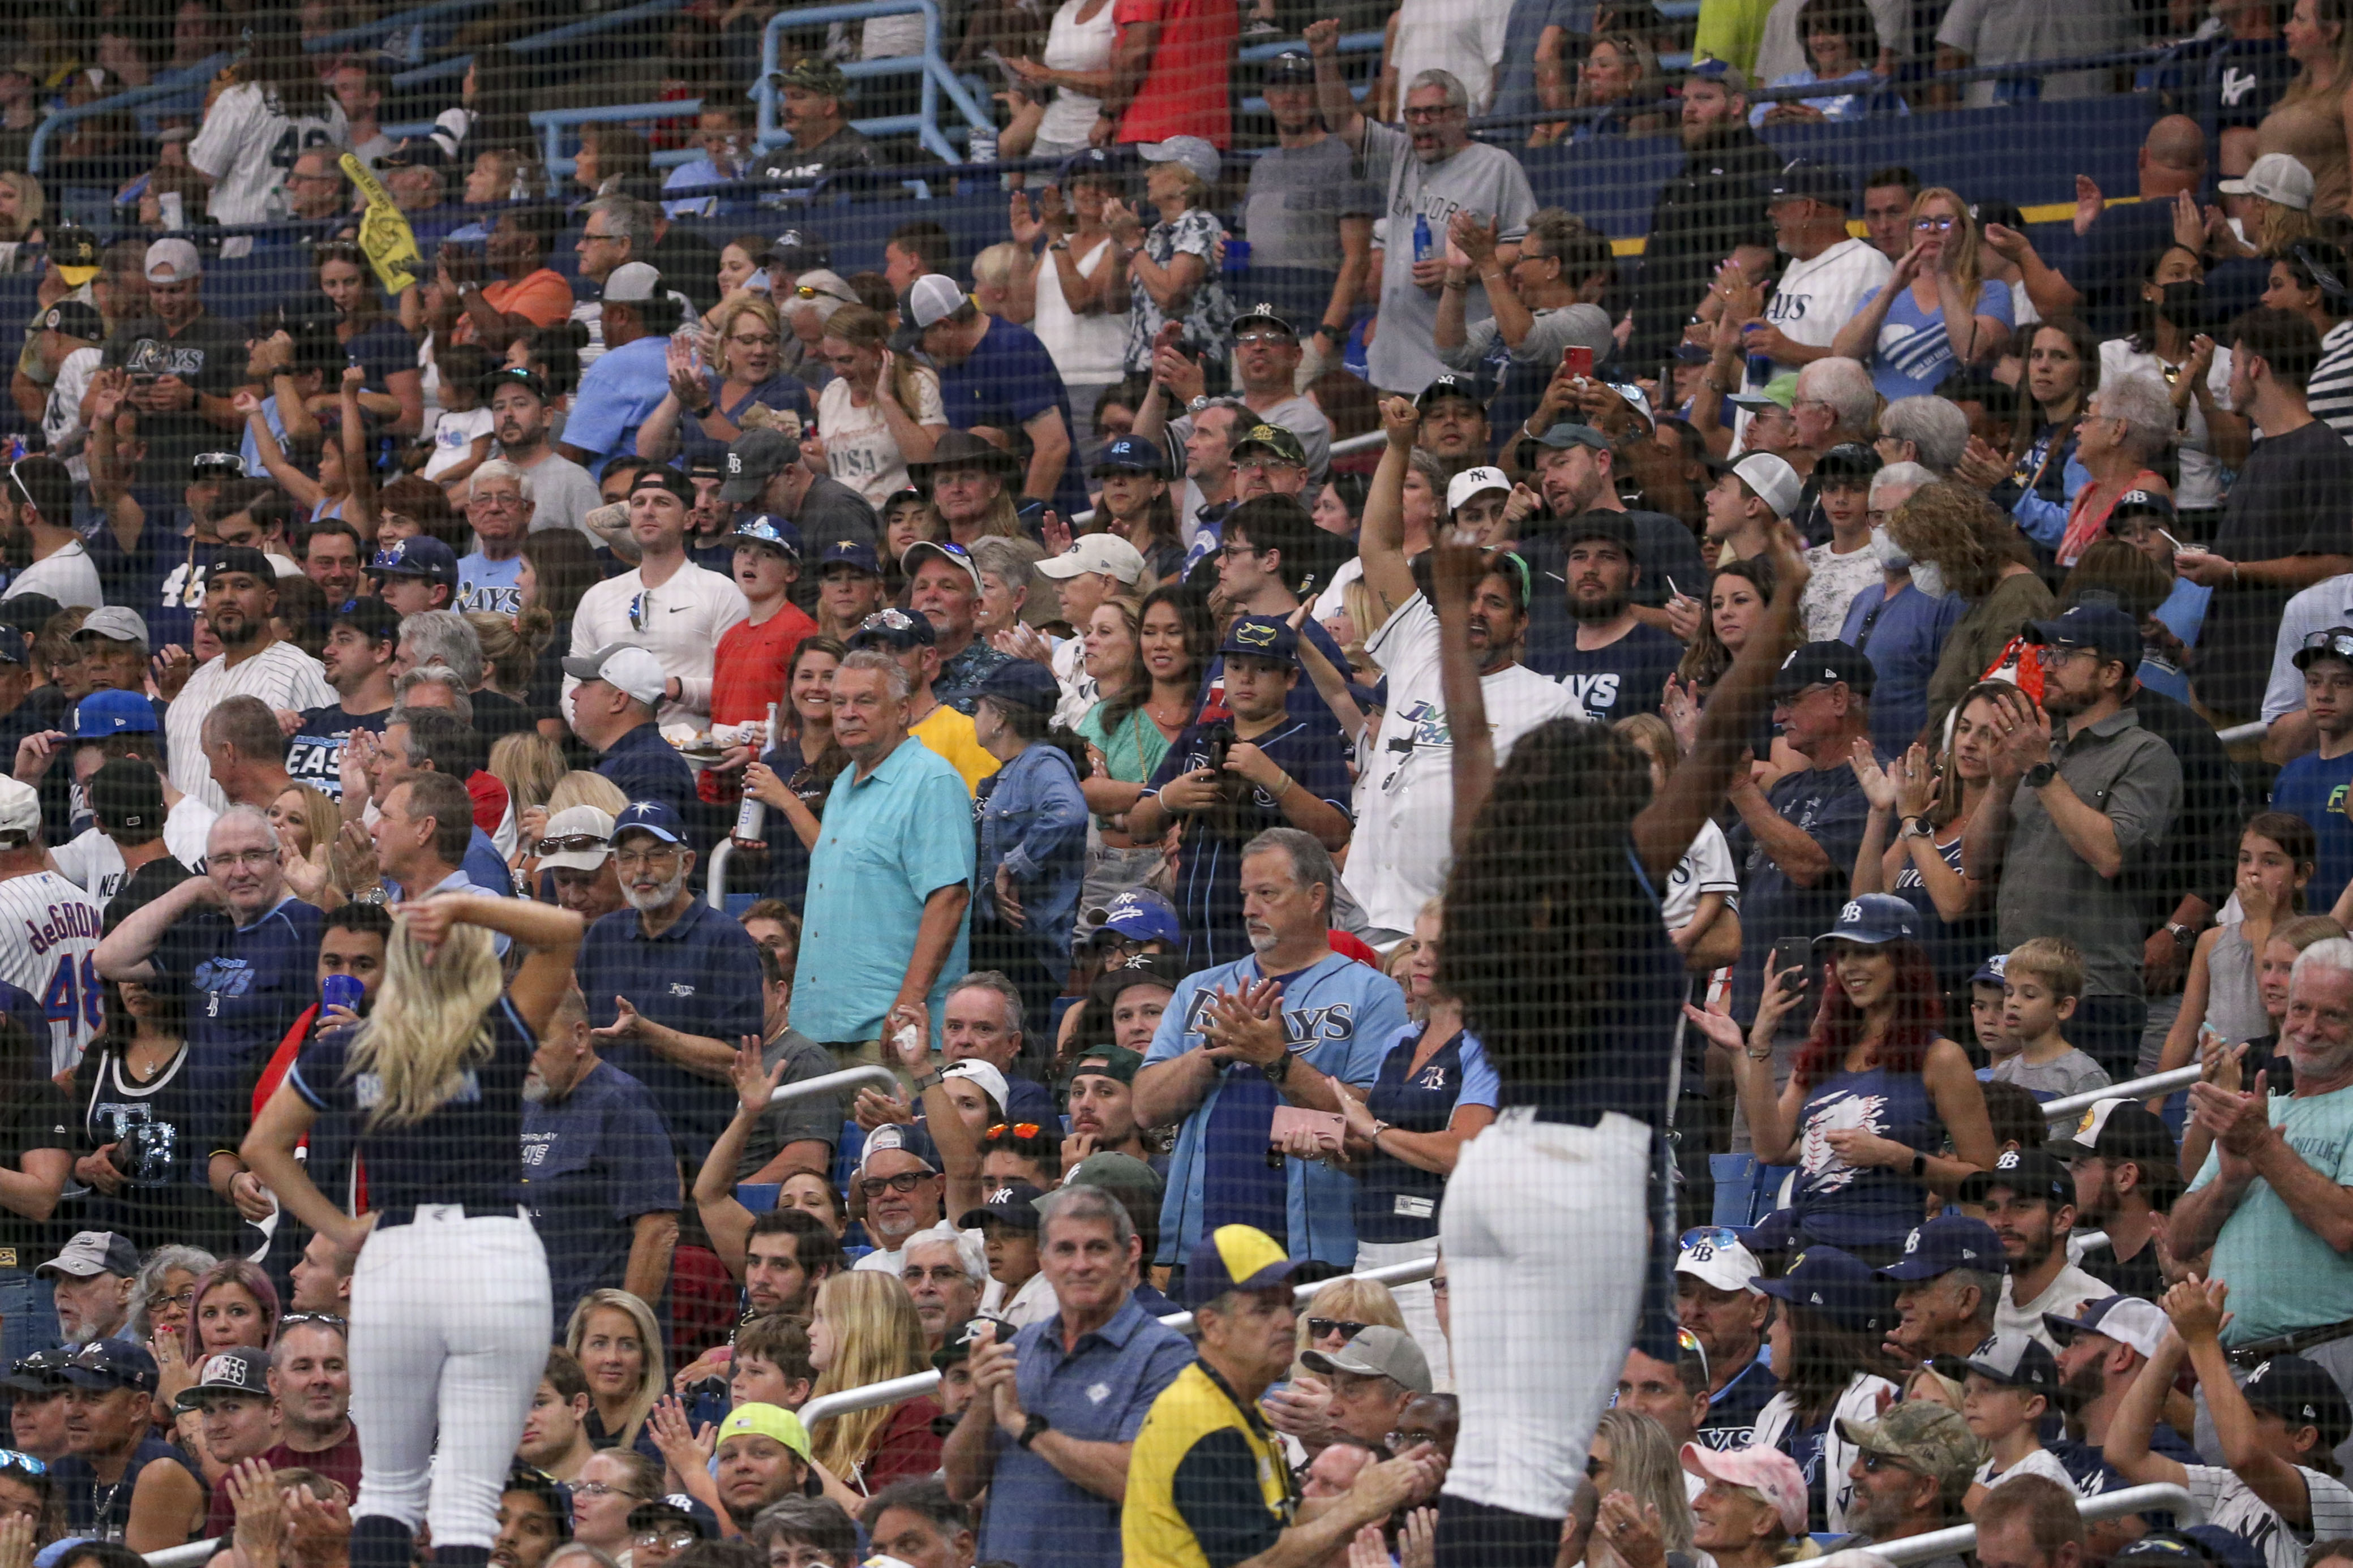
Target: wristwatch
2041, 774
1919, 1164
1916, 827
2183, 937
1326, 330
930, 1080
1030, 1429
1278, 1069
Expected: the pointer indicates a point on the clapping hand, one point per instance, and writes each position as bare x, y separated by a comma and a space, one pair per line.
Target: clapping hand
2195, 1306
1878, 789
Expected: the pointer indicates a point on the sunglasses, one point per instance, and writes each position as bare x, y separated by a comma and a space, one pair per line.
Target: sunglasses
1874, 1463
15, 479
17, 1459
640, 607
1318, 1327
2338, 643
811, 292
341, 1325
1019, 1129
571, 843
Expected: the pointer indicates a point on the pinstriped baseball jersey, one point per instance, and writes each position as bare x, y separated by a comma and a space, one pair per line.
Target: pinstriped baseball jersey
48, 932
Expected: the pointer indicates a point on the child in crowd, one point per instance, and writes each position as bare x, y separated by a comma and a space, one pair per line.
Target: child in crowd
461, 436
2041, 984
1009, 1224
771, 1365
2005, 1390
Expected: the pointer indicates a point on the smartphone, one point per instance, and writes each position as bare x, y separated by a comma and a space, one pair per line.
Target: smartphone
1794, 951
1326, 1126
1577, 360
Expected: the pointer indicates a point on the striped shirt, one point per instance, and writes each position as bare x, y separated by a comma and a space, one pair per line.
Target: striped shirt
48, 932
2329, 392
281, 675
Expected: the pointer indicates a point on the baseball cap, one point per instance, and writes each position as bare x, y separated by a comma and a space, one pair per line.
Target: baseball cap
1949, 1241
1873, 919
1780, 392
1731, 77
1291, 66
75, 318
988, 1075
753, 460
658, 818
1449, 386
1994, 971
2298, 1392
520, 375
812, 73
2127, 1320
2104, 629
111, 1364
2276, 178
2029, 1172
2202, 1546
43, 1372
94, 1252
1014, 1205
1104, 552
240, 1370
73, 251
115, 623
1200, 158
1772, 480
1824, 664
956, 1345
2142, 503
1377, 1351
1261, 636
693, 1513
798, 250
933, 298
895, 629
768, 1421
2014, 1360
1235, 1257
1471, 482
1266, 314
633, 283
2117, 1129
2335, 642
421, 555
1568, 433
1930, 1438
1024, 683
623, 665
1771, 1473
848, 552
1839, 1285
1162, 971
912, 558
1139, 915
126, 796
104, 714
20, 813
906, 1139
231, 558
1810, 178
1114, 1173
1611, 526
175, 262
663, 477
1714, 1255
1117, 1063
572, 829
1848, 461
771, 530
1282, 442
1132, 454
371, 617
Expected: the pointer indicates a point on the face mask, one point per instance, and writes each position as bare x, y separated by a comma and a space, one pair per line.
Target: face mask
2184, 304
1886, 552
1929, 578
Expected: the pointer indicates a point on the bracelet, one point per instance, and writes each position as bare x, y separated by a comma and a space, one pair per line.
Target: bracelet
1284, 788
1755, 1055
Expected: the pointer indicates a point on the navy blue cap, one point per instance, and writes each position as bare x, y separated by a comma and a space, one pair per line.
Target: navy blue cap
104, 714
1025, 683
2029, 1172
1811, 178
2299, 1393
1290, 65
2223, 1547
1944, 1243
1261, 636
1824, 664
2103, 628
1014, 1205
421, 556
1875, 919
43, 1372
2014, 1360
1132, 454
906, 1138
1994, 971
1236, 1257
655, 816
691, 1511
111, 1364
2206, 1546
769, 529
1838, 1285
850, 552
245, 558
895, 630
1139, 915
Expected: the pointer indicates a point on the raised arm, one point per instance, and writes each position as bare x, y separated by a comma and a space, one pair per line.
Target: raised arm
123, 954
726, 1220
553, 936
1333, 99
1381, 540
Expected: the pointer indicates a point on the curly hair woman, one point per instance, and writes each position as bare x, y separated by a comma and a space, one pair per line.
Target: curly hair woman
1960, 544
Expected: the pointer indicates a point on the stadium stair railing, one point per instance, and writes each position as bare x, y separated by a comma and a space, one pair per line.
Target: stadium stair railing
931, 67
1962, 1540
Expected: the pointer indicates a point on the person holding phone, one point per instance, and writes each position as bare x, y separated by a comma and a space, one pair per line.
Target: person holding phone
1543, 318
1875, 1090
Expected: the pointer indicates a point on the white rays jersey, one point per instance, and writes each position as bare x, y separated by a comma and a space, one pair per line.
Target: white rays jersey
48, 940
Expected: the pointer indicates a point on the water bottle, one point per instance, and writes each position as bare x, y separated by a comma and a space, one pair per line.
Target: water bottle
1424, 249
982, 149
752, 817
1760, 368
689, 338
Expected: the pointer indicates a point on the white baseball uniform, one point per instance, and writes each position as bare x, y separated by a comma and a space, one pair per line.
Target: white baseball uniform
281, 675
48, 935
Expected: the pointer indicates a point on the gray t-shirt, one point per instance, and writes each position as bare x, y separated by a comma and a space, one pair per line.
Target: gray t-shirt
1482, 179
1297, 196
2072, 1072
562, 493
1297, 414
816, 1118
1549, 331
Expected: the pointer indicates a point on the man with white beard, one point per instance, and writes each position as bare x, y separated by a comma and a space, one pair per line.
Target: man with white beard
677, 982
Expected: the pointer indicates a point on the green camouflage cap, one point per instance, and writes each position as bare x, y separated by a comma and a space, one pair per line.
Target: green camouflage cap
813, 75
1284, 443
1931, 1438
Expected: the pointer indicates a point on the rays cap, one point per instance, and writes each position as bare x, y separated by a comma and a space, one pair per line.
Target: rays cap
1874, 919
1261, 636
852, 553
104, 714
2142, 503
768, 1421
2299, 1393
582, 836
1473, 482
1377, 1351
2129, 1320
753, 460
2101, 627
625, 666
658, 818
1235, 1257
1024, 683
1107, 553
421, 555
1939, 1246
75, 318
1716, 1256
1824, 664
1838, 1285
241, 1372
2028, 1172
2014, 1360
895, 630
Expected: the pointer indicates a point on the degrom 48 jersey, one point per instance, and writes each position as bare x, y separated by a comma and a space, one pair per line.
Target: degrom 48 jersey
48, 935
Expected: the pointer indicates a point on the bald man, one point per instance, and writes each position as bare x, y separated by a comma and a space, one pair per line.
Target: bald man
2109, 253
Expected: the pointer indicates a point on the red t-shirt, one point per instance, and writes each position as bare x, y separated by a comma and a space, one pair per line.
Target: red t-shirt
489, 798
340, 1463
747, 673
1186, 89
905, 1449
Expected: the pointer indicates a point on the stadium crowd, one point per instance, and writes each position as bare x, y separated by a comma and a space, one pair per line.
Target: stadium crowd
1298, 716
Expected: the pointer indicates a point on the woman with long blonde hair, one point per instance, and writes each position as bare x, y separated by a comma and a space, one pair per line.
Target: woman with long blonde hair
449, 1308
864, 1330
1938, 312
881, 412
613, 1337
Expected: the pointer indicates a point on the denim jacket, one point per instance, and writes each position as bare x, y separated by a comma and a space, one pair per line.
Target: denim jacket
1033, 821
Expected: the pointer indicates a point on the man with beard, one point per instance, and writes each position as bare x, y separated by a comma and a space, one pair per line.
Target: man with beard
1702, 213
532, 1519
596, 1170
1910, 1473
1102, 1082
2030, 1200
310, 1376
2102, 1350
357, 661
1613, 665
36, 520
562, 492
1432, 170
1573, 466
1269, 461
677, 982
240, 592
1306, 211
2069, 813
787, 1255
1399, 864
2127, 1176
898, 1178
1453, 422
1948, 1284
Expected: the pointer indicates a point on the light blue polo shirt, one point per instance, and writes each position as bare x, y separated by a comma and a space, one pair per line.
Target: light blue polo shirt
887, 843
1339, 1016
2283, 1274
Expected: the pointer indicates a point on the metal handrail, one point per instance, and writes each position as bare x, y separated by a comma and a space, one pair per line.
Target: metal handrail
890, 1391
169, 85
2166, 1082
194, 1555
459, 65
938, 81
333, 43
555, 122
825, 1083
1962, 1540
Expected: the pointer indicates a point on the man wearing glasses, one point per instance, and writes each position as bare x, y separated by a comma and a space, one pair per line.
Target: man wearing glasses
2308, 785
1911, 1470
899, 1181
2079, 793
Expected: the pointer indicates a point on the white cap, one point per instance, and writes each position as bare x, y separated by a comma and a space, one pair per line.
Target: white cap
578, 822
983, 1074
624, 665
1474, 481
1726, 1264
632, 282
1199, 156
932, 300
2275, 177
177, 261
1096, 552
20, 808
1772, 480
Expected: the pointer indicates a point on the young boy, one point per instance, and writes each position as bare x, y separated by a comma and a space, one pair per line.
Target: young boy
1008, 1223
554, 1436
2007, 1388
771, 1365
2040, 985
2308, 785
1986, 999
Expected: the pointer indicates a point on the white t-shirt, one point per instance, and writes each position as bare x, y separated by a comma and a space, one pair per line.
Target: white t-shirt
1465, 37
1398, 860
246, 147
859, 446
281, 675
1836, 580
2041, 1462
2229, 1501
1815, 299
682, 622
1087, 350
1033, 1303
66, 575
2200, 484
61, 425
2069, 1289
1706, 868
454, 435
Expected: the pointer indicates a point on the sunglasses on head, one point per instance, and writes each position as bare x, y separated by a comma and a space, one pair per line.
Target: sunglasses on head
1019, 1129
17, 1459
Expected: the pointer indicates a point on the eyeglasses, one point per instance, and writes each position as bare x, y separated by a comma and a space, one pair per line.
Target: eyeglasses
587, 238
571, 843
811, 292
887, 621
945, 1274
1938, 224
599, 1488
1427, 113
1019, 1129
504, 502
904, 1182
1235, 551
678, 1538
17, 1459
1321, 1328
19, 483
184, 1300
2046, 656
1267, 340
651, 855
1873, 1463
1406, 1438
